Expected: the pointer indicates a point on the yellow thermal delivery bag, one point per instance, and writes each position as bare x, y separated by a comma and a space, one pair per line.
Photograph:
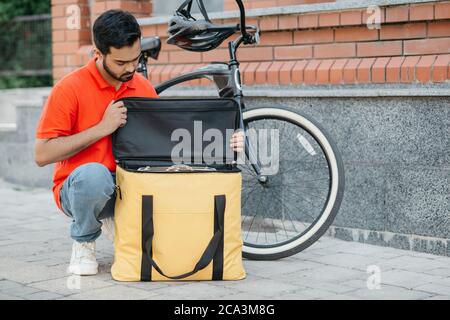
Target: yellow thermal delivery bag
175, 222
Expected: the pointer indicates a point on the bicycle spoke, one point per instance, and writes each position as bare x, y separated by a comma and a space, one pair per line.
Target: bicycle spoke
251, 172
292, 222
277, 182
304, 167
322, 157
245, 187
299, 187
250, 192
259, 225
284, 226
308, 193
274, 230
253, 216
291, 169
264, 219
295, 185
250, 228
307, 200
305, 213
315, 180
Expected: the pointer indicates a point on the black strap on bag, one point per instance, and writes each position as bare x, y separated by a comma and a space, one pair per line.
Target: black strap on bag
214, 250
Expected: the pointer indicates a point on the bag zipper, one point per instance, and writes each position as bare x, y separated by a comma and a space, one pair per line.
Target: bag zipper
180, 99
184, 109
178, 109
224, 169
118, 191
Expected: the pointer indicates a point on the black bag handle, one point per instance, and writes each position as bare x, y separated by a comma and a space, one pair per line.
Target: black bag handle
208, 254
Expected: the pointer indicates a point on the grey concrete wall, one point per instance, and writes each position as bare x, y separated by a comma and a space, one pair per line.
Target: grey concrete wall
19, 112
10, 98
395, 146
16, 150
396, 153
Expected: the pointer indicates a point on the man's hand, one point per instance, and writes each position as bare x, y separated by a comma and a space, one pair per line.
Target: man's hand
115, 116
237, 141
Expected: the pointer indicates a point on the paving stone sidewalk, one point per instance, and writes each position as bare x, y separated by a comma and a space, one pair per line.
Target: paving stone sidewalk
35, 248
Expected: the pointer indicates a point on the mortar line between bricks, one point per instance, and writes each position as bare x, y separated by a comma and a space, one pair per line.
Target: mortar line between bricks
412, 290
49, 279
70, 275
334, 293
336, 266
81, 291
162, 288
313, 288
385, 259
401, 287
423, 284
331, 281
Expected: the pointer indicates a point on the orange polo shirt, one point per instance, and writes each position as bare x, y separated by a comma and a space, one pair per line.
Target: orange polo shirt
76, 103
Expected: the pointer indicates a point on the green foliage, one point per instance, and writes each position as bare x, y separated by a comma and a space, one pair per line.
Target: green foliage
26, 45
14, 8
25, 82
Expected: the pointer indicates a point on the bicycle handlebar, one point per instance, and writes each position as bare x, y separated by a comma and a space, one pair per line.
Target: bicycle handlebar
248, 38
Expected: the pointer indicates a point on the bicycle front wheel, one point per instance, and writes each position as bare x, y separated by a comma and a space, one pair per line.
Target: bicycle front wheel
294, 200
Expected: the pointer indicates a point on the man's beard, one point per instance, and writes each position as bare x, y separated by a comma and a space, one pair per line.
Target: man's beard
122, 78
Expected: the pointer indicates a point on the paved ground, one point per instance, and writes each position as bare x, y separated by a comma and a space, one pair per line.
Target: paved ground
35, 249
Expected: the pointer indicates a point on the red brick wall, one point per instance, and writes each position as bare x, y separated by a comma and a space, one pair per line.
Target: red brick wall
72, 45
412, 45
67, 37
254, 4
138, 8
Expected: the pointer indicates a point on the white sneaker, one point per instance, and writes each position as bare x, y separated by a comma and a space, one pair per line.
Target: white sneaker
83, 260
108, 228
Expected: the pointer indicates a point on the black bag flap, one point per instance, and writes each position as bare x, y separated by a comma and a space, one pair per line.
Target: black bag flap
157, 129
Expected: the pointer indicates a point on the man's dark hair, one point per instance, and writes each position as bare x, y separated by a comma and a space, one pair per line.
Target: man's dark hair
115, 28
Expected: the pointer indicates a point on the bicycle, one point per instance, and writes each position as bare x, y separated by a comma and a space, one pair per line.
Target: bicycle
292, 211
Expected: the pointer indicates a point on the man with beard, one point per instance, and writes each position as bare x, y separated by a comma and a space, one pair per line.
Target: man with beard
75, 130
75, 127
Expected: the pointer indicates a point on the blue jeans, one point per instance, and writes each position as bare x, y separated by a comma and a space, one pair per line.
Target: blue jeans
88, 196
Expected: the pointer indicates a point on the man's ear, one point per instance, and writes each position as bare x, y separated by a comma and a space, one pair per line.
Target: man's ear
97, 53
